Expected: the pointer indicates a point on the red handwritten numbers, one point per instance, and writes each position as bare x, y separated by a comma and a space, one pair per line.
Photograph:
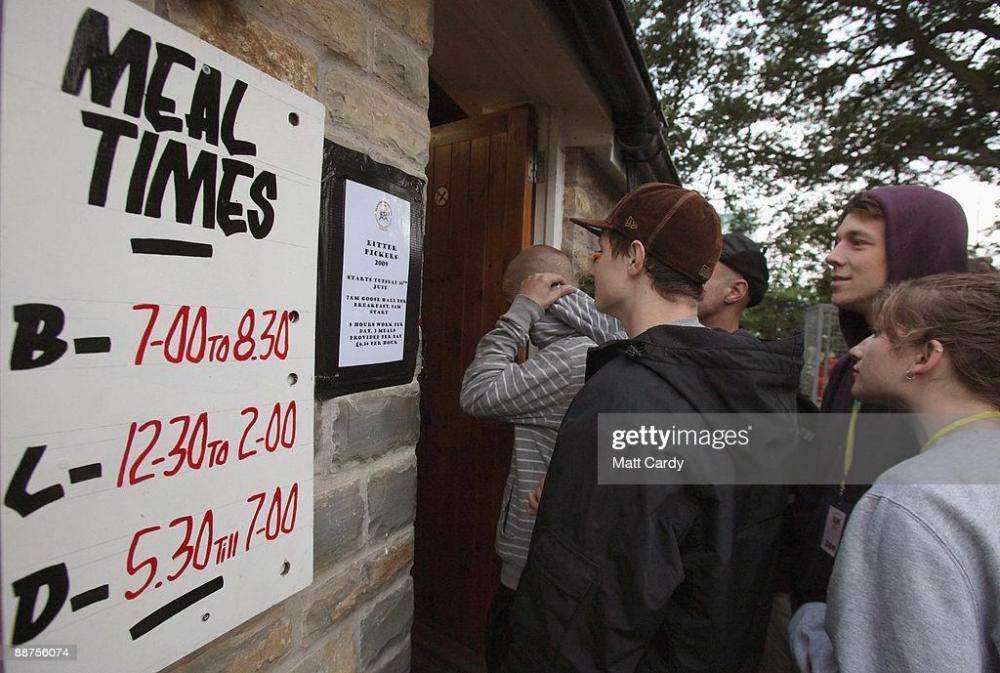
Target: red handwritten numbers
273, 516
134, 568
187, 339
192, 553
191, 446
163, 448
280, 517
280, 432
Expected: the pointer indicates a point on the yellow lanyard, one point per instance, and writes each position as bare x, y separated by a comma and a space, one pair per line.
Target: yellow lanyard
951, 427
955, 425
849, 443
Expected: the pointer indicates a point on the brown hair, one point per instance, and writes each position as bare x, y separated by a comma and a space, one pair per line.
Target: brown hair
962, 311
668, 283
864, 205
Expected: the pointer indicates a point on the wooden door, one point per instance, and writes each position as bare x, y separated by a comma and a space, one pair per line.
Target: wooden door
479, 205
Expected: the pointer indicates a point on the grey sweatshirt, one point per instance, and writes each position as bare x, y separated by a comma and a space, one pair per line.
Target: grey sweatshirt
534, 396
578, 311
916, 585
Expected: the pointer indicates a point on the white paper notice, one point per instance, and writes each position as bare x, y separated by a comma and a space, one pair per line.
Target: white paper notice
159, 205
376, 276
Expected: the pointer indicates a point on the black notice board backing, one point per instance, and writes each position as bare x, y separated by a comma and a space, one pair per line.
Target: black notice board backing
341, 166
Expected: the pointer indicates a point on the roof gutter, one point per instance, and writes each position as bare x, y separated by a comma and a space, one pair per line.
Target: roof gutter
603, 36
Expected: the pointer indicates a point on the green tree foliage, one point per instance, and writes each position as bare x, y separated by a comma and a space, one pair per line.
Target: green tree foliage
782, 109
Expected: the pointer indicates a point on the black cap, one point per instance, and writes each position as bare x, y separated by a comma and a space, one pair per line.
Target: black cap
745, 257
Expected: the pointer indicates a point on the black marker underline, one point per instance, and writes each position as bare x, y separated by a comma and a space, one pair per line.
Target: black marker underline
168, 246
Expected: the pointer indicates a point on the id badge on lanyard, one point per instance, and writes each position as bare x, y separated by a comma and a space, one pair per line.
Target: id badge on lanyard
836, 515
833, 531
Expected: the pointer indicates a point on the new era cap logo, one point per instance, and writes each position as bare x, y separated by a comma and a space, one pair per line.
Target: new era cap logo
630, 223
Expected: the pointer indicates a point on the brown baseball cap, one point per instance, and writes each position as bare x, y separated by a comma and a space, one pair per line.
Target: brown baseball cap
676, 225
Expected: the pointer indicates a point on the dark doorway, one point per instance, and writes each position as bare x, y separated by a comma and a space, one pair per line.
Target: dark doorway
479, 204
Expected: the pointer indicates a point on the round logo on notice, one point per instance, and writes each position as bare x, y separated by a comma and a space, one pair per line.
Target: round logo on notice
383, 215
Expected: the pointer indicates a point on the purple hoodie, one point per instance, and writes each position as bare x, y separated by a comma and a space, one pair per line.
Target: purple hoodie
925, 233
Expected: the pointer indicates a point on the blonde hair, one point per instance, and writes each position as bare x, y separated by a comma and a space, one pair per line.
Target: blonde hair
960, 310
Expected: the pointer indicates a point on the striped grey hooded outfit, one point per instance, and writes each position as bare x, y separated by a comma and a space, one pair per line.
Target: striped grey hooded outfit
534, 396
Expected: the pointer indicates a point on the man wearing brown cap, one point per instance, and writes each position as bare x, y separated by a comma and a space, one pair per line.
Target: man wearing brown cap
738, 282
655, 577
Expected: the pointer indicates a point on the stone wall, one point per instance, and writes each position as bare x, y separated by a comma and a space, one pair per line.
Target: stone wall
367, 62
588, 193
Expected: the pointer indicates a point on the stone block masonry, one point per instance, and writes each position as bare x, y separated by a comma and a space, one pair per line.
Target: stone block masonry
590, 194
369, 424
366, 61
392, 494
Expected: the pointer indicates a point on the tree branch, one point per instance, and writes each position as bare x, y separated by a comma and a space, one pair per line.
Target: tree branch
867, 4
970, 77
982, 43
860, 67
978, 160
985, 27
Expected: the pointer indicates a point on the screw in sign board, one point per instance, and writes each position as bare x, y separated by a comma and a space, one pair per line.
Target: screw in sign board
159, 203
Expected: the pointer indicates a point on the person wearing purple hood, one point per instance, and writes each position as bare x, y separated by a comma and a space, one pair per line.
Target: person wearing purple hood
884, 236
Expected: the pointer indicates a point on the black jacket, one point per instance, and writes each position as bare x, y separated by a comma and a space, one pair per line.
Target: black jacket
655, 578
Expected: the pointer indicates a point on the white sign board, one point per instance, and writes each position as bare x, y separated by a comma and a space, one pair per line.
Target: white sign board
159, 203
376, 275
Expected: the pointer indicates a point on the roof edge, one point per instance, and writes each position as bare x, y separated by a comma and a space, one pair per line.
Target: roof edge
603, 36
